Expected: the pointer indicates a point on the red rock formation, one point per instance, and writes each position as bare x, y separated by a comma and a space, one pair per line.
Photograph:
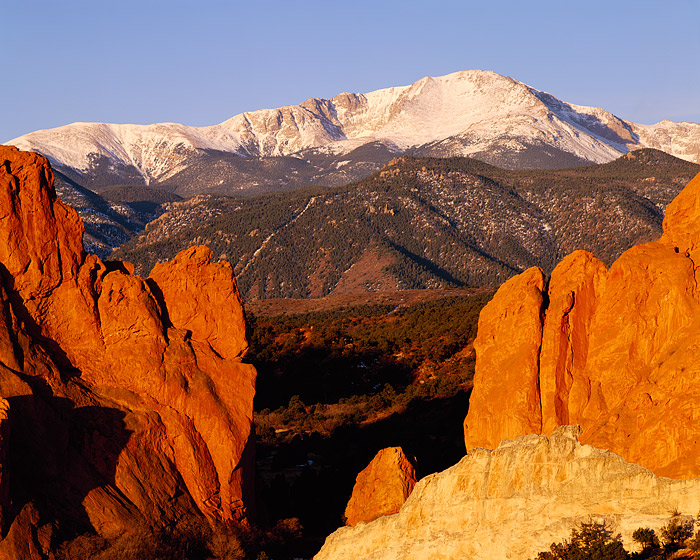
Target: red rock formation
382, 487
511, 319
28, 538
5, 502
614, 351
128, 400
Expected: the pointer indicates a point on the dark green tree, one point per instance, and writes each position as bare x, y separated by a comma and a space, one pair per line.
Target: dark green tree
590, 541
649, 541
676, 532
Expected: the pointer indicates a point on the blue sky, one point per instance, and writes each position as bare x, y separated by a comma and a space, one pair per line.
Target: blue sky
202, 62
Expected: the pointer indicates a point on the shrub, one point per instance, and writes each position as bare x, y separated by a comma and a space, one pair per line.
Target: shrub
591, 541
646, 537
694, 543
191, 539
676, 532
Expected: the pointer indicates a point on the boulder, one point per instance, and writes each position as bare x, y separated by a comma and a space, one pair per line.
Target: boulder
382, 487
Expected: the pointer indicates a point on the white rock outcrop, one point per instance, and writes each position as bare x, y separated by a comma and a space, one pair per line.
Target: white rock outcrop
514, 501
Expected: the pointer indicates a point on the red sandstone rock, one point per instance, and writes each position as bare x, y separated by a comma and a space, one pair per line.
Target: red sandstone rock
202, 298
129, 402
512, 320
573, 291
382, 487
27, 539
617, 352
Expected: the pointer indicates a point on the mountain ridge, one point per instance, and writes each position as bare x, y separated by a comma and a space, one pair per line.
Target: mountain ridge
469, 113
420, 223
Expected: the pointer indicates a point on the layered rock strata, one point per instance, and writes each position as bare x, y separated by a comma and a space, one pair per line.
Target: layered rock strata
514, 501
612, 350
382, 487
126, 400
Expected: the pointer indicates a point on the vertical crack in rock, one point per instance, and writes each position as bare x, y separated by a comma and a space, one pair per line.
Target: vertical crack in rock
543, 313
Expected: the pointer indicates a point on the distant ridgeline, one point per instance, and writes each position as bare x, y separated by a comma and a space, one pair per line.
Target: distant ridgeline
421, 223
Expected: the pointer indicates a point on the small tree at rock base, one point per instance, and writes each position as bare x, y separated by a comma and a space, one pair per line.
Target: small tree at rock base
591, 541
676, 532
646, 537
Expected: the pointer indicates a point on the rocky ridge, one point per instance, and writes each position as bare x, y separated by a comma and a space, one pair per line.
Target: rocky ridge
486, 506
421, 223
613, 350
333, 141
126, 404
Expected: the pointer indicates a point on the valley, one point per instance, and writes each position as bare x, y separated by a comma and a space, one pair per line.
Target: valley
337, 385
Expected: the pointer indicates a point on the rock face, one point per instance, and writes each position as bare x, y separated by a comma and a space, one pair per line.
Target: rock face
126, 401
382, 487
486, 506
612, 350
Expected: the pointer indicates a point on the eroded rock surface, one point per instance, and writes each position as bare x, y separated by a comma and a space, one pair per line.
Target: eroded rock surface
514, 501
127, 401
382, 487
612, 350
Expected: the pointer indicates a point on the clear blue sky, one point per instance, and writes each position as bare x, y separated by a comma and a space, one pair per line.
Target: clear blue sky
202, 62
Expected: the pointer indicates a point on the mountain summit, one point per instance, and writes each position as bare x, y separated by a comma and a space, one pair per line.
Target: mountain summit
332, 141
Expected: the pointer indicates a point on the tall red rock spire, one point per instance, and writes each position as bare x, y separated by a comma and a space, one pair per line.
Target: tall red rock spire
616, 351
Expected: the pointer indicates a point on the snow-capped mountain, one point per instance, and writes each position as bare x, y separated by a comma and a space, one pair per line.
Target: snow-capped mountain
331, 141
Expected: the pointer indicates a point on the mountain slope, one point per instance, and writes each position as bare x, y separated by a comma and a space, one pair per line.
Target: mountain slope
421, 223
115, 216
476, 113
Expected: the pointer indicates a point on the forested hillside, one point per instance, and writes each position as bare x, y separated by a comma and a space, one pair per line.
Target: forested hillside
421, 223
335, 386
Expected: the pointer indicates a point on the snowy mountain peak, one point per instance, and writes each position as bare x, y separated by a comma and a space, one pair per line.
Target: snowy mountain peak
471, 112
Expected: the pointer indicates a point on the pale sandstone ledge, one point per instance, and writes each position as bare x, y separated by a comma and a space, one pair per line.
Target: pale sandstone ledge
515, 501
